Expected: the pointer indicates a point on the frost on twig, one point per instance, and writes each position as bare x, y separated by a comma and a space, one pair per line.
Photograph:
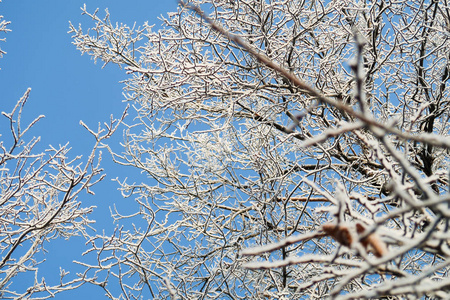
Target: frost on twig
3, 28
349, 235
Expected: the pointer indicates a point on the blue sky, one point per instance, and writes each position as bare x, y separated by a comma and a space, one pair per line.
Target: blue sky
66, 88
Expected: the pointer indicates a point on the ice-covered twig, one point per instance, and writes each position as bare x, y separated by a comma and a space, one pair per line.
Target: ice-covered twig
286, 242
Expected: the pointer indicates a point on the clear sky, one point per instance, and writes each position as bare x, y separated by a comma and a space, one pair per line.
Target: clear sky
66, 88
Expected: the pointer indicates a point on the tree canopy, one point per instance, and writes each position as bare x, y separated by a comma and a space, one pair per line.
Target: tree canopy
288, 150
